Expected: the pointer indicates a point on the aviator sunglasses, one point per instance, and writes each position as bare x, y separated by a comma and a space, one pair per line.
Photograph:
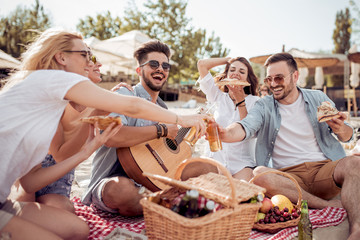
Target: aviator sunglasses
84, 53
155, 65
277, 79
93, 59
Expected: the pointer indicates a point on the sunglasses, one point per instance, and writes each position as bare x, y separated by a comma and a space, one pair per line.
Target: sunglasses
84, 53
155, 65
277, 79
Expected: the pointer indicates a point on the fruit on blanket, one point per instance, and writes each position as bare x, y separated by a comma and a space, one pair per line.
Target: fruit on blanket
282, 202
266, 205
274, 215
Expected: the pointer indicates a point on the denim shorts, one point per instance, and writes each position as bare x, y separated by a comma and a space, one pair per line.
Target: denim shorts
61, 186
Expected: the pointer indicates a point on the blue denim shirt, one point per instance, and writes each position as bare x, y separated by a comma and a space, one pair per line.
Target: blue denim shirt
264, 121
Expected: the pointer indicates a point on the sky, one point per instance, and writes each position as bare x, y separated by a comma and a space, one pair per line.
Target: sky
247, 27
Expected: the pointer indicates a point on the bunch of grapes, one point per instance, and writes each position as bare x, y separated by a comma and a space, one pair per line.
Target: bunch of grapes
275, 215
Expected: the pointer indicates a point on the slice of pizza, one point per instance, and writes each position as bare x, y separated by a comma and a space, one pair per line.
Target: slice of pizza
103, 121
228, 81
326, 112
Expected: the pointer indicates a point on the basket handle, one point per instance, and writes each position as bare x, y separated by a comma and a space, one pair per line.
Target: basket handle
285, 175
223, 170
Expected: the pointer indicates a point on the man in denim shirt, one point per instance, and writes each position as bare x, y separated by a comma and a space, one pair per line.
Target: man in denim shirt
290, 139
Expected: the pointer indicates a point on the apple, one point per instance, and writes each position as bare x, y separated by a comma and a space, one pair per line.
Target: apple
266, 205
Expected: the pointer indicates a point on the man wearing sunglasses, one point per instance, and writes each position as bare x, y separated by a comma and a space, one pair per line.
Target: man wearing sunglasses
290, 139
110, 189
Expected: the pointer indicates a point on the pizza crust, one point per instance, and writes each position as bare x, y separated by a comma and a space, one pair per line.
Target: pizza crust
235, 82
103, 121
326, 112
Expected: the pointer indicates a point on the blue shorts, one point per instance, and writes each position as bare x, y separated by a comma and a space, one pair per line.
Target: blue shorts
61, 186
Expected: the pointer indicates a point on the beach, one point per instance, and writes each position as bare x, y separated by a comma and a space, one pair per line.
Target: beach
82, 176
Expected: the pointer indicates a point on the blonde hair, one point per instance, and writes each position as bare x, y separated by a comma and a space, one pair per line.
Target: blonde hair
40, 54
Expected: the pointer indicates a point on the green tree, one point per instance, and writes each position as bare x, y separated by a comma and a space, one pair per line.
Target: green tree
103, 26
21, 26
341, 38
166, 20
342, 32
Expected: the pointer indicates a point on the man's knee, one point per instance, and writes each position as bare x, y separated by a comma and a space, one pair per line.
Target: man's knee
347, 167
116, 187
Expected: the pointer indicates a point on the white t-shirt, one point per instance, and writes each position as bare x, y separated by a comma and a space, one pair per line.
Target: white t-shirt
295, 145
234, 156
30, 113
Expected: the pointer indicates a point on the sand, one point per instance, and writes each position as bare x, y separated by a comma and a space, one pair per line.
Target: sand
82, 176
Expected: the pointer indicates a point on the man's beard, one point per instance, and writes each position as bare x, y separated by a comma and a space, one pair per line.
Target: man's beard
151, 85
287, 90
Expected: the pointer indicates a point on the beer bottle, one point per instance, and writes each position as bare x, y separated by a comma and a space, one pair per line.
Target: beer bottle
209, 207
304, 225
182, 207
213, 137
192, 210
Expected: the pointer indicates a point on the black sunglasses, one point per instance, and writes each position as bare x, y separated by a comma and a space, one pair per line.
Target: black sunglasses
155, 65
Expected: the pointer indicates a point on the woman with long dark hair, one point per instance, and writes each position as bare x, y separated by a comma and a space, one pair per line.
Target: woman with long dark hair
233, 103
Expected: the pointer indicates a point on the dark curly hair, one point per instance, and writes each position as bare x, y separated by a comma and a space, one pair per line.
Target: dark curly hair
251, 78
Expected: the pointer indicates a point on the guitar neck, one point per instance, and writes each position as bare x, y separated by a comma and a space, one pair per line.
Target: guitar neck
181, 134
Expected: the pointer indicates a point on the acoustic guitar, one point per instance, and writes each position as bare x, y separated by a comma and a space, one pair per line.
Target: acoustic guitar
159, 156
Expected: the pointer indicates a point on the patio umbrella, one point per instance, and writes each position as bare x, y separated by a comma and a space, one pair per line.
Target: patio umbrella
7, 61
354, 57
304, 59
303, 73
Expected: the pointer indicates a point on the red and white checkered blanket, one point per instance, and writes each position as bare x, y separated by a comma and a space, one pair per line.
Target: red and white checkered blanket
319, 218
102, 223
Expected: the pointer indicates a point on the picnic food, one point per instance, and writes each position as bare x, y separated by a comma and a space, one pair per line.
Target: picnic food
228, 81
103, 121
326, 112
282, 202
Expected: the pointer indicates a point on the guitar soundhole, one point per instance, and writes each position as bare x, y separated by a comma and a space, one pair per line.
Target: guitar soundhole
170, 143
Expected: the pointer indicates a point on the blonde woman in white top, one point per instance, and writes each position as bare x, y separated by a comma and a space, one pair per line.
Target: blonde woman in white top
232, 104
31, 106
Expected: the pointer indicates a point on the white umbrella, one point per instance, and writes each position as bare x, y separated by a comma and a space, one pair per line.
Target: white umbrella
319, 77
303, 73
355, 69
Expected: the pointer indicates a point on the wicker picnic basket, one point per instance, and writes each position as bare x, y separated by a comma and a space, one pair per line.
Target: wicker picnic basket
234, 221
275, 227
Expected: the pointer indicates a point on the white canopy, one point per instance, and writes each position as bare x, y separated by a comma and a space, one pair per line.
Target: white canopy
116, 54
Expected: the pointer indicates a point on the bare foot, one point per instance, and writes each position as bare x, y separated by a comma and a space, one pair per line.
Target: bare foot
335, 203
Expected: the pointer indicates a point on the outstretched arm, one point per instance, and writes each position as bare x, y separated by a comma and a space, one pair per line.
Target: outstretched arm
88, 94
233, 133
40, 177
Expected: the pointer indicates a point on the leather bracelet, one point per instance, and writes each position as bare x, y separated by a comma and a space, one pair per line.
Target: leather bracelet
237, 104
165, 130
158, 130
